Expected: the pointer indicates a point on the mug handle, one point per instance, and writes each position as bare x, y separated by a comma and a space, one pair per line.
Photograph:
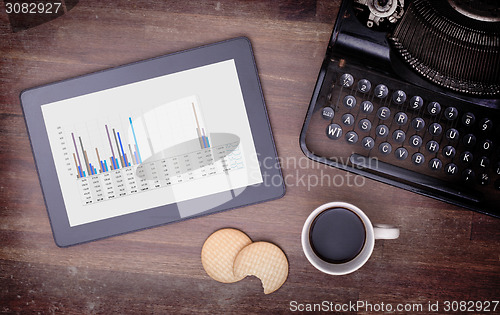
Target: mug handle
385, 231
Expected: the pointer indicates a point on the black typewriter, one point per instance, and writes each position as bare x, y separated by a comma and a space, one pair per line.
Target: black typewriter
409, 95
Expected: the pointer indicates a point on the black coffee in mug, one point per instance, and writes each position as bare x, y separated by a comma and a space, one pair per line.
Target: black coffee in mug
337, 235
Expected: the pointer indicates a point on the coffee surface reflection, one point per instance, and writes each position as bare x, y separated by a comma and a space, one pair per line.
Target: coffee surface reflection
337, 235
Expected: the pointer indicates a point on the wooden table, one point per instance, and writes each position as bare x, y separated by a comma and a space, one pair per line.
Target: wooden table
444, 253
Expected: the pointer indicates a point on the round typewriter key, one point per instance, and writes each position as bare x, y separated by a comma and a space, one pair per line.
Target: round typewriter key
451, 113
399, 136
484, 162
348, 119
401, 118
468, 175
435, 129
449, 151
497, 168
327, 113
334, 131
381, 91
432, 146
385, 148
401, 153
418, 123
435, 164
416, 102
346, 80
351, 137
470, 140
452, 134
382, 131
418, 158
368, 143
468, 119
364, 86
484, 179
451, 169
366, 107
486, 125
434, 108
416, 141
466, 157
487, 145
365, 125
399, 97
383, 113
349, 101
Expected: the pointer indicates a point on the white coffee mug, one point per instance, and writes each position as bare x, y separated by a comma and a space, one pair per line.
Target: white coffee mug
372, 232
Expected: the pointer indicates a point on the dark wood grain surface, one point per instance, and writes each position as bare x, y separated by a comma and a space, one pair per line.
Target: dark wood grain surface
444, 253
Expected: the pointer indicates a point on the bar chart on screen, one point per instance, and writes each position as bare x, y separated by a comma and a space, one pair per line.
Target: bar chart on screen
173, 139
121, 155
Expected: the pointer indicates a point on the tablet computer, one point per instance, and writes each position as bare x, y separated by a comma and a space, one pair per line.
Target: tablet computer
152, 142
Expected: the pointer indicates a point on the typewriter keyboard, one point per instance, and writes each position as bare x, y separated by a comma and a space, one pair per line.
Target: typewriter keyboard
411, 137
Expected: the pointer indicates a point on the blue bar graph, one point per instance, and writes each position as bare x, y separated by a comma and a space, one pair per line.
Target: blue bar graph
135, 139
115, 152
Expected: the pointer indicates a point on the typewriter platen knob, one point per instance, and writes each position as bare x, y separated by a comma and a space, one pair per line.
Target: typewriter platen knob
382, 10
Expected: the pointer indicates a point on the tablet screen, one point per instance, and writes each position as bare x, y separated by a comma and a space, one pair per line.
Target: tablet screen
151, 143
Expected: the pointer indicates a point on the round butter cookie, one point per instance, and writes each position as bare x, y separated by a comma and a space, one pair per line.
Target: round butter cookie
264, 260
219, 252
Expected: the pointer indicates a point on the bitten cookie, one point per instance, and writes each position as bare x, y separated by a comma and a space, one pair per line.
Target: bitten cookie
264, 260
219, 252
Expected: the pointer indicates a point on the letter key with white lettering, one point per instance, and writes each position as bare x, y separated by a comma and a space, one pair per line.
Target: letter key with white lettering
334, 131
